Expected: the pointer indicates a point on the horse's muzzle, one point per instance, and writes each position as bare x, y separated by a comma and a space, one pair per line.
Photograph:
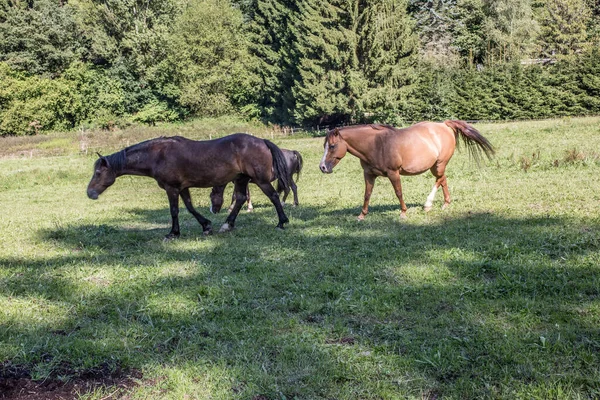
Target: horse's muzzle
324, 169
92, 194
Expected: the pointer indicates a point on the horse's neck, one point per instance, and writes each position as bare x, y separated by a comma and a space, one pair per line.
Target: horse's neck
136, 162
361, 143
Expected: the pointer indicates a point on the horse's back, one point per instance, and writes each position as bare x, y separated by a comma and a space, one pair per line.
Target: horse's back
208, 163
419, 147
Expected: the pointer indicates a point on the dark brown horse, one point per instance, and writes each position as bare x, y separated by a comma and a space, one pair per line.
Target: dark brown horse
387, 151
178, 164
294, 162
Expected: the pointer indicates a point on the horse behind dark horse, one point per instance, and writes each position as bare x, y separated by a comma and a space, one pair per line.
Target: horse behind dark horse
177, 164
294, 164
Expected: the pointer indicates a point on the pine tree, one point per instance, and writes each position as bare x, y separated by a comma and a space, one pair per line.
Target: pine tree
387, 50
469, 33
272, 39
564, 26
511, 28
325, 49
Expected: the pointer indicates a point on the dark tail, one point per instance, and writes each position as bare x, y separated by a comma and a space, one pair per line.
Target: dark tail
474, 141
299, 166
279, 165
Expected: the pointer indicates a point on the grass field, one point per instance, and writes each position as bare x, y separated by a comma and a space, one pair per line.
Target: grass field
496, 297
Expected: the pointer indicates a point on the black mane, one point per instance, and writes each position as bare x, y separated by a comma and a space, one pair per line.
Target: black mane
117, 161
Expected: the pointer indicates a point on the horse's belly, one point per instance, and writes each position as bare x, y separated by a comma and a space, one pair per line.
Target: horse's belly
416, 167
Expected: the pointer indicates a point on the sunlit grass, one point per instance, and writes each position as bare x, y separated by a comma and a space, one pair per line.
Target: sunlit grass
496, 297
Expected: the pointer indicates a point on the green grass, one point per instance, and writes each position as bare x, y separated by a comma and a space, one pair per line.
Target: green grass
496, 297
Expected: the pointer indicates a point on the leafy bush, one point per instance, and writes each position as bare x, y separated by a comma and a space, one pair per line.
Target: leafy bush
29, 104
155, 112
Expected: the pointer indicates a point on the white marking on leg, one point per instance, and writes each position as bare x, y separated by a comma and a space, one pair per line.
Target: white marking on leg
211, 209
431, 196
225, 228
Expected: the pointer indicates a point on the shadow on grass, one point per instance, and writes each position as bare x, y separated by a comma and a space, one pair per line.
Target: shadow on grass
470, 306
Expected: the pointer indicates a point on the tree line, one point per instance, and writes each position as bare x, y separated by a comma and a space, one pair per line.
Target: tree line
71, 63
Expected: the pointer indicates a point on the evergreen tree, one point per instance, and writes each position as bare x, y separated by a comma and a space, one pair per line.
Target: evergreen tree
272, 36
511, 28
469, 32
564, 26
326, 60
387, 50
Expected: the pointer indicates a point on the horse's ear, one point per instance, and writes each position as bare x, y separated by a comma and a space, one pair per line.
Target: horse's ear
336, 132
103, 160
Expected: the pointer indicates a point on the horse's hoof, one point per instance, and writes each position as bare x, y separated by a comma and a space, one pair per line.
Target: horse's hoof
280, 228
427, 208
250, 210
170, 237
403, 215
207, 231
225, 228
361, 217
445, 206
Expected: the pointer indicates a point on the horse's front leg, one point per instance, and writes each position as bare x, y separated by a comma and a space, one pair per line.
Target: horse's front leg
187, 200
239, 192
369, 183
173, 196
394, 177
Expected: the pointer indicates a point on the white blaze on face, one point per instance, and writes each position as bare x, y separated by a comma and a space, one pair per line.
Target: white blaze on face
431, 196
325, 153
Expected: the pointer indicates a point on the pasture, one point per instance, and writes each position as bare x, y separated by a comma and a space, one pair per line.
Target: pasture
496, 297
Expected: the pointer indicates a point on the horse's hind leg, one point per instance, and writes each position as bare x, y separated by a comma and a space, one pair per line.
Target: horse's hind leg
240, 190
232, 202
272, 194
295, 191
250, 207
286, 192
438, 173
444, 182
187, 200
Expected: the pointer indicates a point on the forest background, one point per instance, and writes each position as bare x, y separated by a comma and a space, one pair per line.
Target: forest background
77, 64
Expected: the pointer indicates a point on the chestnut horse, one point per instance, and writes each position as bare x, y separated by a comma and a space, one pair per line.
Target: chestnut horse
387, 151
177, 164
294, 162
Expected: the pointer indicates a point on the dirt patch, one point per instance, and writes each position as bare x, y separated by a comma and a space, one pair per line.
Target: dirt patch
347, 341
16, 384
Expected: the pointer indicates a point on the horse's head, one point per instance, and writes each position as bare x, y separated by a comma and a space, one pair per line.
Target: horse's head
216, 199
104, 176
335, 149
